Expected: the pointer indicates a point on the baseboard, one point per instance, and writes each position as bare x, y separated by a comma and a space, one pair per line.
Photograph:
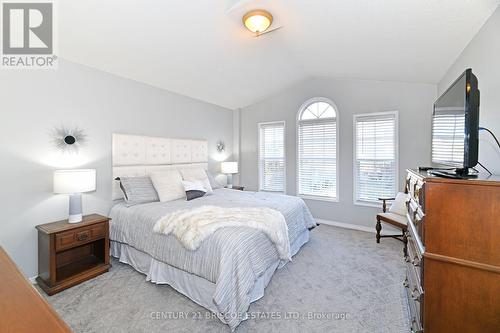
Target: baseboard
346, 225
358, 227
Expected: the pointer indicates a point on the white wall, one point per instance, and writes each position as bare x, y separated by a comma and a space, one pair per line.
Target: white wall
34, 102
236, 142
413, 101
483, 56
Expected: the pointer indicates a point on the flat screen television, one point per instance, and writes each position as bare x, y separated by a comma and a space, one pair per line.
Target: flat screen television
455, 126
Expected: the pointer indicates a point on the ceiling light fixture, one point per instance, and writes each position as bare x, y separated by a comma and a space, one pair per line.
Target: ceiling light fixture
258, 21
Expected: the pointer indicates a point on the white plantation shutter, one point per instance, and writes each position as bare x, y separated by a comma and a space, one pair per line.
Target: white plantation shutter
272, 157
448, 135
375, 156
317, 151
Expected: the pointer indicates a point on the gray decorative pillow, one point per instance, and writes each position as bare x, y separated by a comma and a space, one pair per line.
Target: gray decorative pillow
138, 190
215, 185
194, 189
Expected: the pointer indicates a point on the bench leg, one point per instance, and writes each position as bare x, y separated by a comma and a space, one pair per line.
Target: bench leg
378, 227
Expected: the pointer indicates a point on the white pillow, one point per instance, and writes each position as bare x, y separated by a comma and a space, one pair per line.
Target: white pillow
168, 185
399, 204
198, 174
213, 182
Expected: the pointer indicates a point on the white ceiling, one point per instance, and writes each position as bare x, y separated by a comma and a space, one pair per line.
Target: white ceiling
199, 48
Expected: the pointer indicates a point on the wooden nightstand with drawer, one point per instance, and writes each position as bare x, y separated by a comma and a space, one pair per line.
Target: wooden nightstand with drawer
70, 253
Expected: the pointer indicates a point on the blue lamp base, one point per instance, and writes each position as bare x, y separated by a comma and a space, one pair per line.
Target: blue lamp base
75, 208
229, 180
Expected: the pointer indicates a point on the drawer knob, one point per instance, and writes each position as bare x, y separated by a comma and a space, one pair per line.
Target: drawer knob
81, 237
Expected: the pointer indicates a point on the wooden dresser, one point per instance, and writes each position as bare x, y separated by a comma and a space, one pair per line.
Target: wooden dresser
453, 262
22, 309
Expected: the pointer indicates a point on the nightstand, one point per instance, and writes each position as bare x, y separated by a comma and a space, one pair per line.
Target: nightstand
70, 253
236, 187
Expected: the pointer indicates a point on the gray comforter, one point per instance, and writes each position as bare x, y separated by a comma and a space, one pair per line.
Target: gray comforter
232, 258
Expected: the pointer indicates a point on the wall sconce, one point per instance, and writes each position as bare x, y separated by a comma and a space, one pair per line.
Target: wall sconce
221, 147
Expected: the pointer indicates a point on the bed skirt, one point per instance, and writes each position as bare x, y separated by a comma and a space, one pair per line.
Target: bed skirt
198, 289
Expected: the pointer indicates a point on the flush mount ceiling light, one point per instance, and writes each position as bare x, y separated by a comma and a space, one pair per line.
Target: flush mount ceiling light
258, 21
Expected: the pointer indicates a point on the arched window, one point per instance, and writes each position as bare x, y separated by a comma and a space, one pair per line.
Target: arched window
317, 149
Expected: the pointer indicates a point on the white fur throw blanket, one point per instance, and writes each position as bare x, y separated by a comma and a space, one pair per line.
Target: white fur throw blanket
192, 226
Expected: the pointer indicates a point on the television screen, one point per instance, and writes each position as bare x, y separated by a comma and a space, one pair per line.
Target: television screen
455, 124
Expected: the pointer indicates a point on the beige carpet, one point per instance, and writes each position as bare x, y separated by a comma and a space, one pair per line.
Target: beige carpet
341, 281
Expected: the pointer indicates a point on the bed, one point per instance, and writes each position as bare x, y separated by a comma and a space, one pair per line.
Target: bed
232, 266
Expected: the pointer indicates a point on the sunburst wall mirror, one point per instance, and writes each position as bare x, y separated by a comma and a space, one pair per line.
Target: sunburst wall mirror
69, 140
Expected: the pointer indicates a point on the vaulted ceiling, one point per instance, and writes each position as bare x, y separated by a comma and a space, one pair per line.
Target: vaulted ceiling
200, 48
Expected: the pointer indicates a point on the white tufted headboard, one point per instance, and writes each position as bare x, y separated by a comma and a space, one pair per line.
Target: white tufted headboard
135, 155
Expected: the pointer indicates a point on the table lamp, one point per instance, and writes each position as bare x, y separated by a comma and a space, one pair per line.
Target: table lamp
74, 182
229, 168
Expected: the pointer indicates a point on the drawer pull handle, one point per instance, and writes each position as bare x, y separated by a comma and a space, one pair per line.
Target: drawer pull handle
415, 262
81, 237
415, 298
414, 324
416, 218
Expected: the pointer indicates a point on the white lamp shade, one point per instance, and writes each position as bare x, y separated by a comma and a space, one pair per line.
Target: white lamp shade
74, 181
229, 167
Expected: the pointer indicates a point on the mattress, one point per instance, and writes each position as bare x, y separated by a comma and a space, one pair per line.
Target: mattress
232, 258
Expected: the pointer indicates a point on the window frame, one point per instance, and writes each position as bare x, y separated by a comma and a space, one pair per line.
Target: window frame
258, 155
354, 151
302, 108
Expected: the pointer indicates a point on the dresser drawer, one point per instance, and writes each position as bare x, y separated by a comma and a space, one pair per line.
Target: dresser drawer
415, 212
415, 255
414, 308
414, 187
79, 236
413, 279
415, 234
416, 216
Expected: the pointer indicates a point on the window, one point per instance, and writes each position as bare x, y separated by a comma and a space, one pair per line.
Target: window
317, 150
375, 154
272, 157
